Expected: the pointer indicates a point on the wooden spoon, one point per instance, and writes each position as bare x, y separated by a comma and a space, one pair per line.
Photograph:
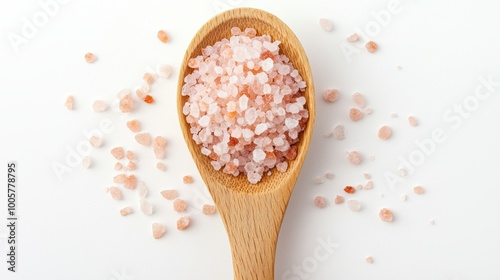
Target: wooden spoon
252, 214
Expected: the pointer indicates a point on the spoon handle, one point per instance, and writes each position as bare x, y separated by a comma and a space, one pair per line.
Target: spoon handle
252, 222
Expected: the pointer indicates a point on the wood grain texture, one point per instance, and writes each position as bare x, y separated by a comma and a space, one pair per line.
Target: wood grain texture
252, 214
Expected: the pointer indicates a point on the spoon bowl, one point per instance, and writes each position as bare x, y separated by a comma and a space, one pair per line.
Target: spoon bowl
252, 213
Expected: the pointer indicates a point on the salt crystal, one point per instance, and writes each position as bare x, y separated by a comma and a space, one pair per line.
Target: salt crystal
120, 178
161, 166
146, 207
183, 223
267, 64
320, 201
90, 57
260, 128
367, 176
353, 205
164, 70
355, 114
118, 166
208, 209
158, 230
115, 193
339, 132
403, 197
247, 133
250, 115
412, 121
69, 102
291, 123
204, 121
371, 46
258, 155
99, 106
179, 205
143, 138
354, 157
188, 179
126, 211
95, 141
368, 185
385, 215
329, 175
339, 199
331, 95
319, 180
402, 171
142, 190
419, 190
86, 162
359, 99
353, 37
117, 152
130, 182
130, 155
162, 36
325, 24
384, 132
369, 259
169, 194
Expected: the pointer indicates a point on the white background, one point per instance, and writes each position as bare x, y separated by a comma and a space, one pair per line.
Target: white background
70, 228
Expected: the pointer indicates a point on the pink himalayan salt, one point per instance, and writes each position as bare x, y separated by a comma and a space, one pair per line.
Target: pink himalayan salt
120, 178
134, 126
141, 93
330, 95
359, 99
355, 114
164, 70
158, 230
368, 111
368, 185
353, 37
90, 57
385, 215
339, 132
354, 157
253, 84
371, 46
384, 132
418, 190
70, 100
142, 190
148, 78
208, 209
118, 166
118, 152
319, 180
353, 205
130, 182
320, 201
130, 155
95, 141
339, 199
159, 144
86, 162
179, 205
412, 121
326, 24
367, 176
402, 171
99, 106
126, 104
143, 138
169, 194
126, 211
369, 259
115, 193
146, 207
329, 175
161, 166
188, 179
183, 223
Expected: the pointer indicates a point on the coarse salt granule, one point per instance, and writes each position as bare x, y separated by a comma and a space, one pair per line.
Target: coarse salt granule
99, 106
169, 194
418, 190
146, 207
359, 99
320, 201
384, 132
130, 155
86, 162
70, 100
148, 99
339, 132
130, 182
402, 171
161, 166
118, 166
369, 259
367, 176
134, 126
142, 190
385, 215
90, 57
158, 230
117, 152
115, 193
319, 180
371, 46
164, 70
148, 78
143, 138
126, 104
349, 189
126, 211
162, 36
188, 179
355, 114
353, 205
354, 157
159, 144
326, 24
412, 121
368, 185
403, 197
245, 105
331, 95
329, 175
183, 223
339, 199
179, 205
95, 141
208, 209
353, 37
368, 111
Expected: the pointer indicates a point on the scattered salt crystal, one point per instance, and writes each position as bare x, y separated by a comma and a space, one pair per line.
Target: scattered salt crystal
142, 190
291, 123
384, 132
208, 209
158, 230
369, 259
126, 211
412, 121
122, 93
385, 215
418, 190
117, 152
353, 205
403, 197
118, 166
70, 100
359, 187
161, 166
394, 115
339, 199
130, 155
282, 166
267, 64
353, 37
331, 95
258, 155
179, 205
164, 70
339, 132
368, 185
162, 36
126, 104
367, 176
90, 57
371, 46
183, 223
86, 162
188, 179
146, 207
319, 180
143, 138
260, 128
130, 182
329, 175
169, 194
320, 201
115, 193
204, 121
148, 78
326, 24
120, 178
402, 171
368, 111
99, 106
95, 141
355, 114
359, 99
354, 157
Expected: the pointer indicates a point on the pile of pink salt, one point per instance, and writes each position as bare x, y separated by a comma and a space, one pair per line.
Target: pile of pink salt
245, 107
